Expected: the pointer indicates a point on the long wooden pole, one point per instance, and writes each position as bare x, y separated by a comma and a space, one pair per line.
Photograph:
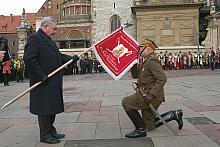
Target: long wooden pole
38, 83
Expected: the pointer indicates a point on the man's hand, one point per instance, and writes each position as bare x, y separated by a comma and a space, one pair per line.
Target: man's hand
148, 98
75, 58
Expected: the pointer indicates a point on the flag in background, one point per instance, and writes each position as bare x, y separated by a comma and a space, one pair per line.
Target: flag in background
117, 53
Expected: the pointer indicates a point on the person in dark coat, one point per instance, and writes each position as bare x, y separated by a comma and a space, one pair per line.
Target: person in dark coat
41, 57
96, 64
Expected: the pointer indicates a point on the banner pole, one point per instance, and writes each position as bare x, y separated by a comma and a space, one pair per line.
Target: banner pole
38, 83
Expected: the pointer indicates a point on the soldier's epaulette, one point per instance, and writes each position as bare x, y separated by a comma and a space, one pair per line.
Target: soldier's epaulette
153, 57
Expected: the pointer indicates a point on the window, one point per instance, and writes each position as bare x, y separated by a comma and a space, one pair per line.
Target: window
115, 22
78, 10
43, 11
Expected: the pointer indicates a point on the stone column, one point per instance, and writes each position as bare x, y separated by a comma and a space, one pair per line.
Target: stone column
24, 30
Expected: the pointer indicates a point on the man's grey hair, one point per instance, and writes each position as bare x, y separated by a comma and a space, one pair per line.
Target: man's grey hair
47, 20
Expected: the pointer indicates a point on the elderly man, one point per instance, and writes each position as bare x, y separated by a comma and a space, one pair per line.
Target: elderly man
41, 57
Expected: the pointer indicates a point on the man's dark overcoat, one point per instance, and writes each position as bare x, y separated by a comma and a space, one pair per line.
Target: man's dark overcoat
41, 57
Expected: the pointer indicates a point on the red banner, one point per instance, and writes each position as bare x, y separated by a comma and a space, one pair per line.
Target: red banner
117, 53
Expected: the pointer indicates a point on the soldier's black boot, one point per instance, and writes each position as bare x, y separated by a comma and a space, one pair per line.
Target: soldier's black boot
138, 122
169, 116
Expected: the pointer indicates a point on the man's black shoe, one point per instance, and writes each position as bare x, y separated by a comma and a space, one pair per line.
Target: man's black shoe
50, 140
59, 136
136, 133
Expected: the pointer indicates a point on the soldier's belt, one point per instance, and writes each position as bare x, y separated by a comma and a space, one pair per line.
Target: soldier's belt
138, 87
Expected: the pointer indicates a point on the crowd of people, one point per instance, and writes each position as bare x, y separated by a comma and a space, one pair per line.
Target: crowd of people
13, 70
85, 65
190, 60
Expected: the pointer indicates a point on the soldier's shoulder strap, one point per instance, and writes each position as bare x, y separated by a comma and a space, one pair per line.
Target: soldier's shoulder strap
152, 57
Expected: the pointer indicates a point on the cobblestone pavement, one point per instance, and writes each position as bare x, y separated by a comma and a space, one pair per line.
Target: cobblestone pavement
169, 73
94, 116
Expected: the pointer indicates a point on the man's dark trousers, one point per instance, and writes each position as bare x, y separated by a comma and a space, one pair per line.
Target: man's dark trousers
46, 126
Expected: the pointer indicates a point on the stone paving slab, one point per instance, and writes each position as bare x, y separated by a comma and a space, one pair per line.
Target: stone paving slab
20, 136
173, 97
139, 142
81, 98
61, 144
75, 106
207, 100
12, 114
89, 116
3, 127
206, 108
108, 130
184, 141
112, 100
105, 114
200, 120
67, 117
211, 130
191, 104
109, 113
213, 115
163, 131
77, 131
17, 121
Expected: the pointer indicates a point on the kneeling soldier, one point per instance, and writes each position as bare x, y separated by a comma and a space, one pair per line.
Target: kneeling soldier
150, 80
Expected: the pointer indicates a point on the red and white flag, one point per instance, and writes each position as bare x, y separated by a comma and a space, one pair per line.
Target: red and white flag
117, 53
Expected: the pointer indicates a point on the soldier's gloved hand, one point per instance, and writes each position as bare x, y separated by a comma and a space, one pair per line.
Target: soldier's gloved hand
75, 58
148, 98
45, 79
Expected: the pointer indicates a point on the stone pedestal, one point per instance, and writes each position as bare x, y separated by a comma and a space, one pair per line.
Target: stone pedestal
24, 30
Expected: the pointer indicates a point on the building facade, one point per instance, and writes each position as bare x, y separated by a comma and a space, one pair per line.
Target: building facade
171, 24
212, 40
14, 29
81, 23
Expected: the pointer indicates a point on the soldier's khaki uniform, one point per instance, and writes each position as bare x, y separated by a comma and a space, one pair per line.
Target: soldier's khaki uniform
152, 78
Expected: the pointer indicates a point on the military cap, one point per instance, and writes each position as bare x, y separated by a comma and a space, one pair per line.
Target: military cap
149, 43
